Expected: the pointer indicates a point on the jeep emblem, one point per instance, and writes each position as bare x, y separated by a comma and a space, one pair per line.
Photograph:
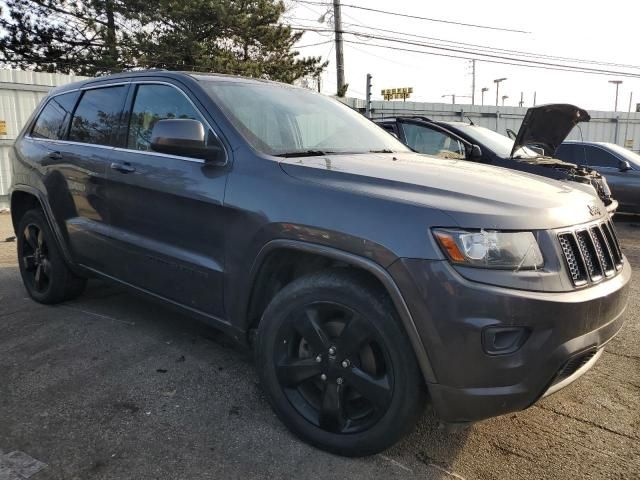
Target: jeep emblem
594, 210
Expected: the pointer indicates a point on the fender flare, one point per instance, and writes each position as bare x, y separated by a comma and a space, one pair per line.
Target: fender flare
48, 214
373, 268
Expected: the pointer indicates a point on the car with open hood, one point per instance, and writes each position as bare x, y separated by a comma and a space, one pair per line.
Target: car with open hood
365, 276
531, 150
619, 165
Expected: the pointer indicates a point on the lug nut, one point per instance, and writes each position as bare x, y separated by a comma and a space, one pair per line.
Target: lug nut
323, 377
339, 380
345, 363
319, 358
332, 350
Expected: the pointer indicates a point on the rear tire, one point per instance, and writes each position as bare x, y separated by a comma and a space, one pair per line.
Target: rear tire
44, 271
336, 365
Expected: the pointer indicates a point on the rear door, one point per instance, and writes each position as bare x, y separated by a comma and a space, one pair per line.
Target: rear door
166, 212
74, 160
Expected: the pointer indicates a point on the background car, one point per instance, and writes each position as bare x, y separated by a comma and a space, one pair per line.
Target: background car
543, 130
620, 166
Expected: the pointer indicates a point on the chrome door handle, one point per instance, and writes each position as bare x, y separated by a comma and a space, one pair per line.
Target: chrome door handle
123, 167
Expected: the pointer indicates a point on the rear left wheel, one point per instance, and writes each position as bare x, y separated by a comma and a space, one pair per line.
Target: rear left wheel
336, 365
45, 274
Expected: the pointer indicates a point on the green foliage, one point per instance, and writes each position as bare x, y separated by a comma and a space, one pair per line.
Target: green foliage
93, 37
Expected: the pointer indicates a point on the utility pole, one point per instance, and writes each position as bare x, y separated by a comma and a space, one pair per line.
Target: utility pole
484, 89
337, 25
453, 97
367, 106
535, 96
617, 84
521, 103
626, 128
497, 81
473, 82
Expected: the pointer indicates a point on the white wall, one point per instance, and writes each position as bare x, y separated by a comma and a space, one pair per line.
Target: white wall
20, 94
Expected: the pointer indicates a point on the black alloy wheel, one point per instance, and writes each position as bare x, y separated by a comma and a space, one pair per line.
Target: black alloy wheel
336, 364
35, 258
333, 368
44, 271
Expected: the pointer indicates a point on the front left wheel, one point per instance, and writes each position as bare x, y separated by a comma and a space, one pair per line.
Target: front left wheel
336, 365
44, 272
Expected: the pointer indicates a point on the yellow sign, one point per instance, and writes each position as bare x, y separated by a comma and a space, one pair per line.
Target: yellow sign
3, 127
397, 93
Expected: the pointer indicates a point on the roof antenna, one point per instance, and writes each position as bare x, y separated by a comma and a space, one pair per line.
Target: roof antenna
470, 121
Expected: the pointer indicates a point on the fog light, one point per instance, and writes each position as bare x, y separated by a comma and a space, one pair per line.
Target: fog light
503, 340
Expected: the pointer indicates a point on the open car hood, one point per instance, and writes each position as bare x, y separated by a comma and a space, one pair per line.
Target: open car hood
548, 125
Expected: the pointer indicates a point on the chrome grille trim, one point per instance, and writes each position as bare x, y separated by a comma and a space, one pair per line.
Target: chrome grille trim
591, 253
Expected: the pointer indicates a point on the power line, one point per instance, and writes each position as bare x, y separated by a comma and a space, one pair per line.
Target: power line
566, 68
490, 49
428, 19
313, 44
488, 57
497, 49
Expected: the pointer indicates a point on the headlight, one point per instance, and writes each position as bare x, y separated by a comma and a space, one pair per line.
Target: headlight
491, 249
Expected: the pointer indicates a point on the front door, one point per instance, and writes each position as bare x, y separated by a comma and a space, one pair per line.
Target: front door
166, 212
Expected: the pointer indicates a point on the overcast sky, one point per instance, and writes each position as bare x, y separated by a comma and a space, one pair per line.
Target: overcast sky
600, 31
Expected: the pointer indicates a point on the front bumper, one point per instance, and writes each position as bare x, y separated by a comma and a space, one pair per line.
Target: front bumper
451, 313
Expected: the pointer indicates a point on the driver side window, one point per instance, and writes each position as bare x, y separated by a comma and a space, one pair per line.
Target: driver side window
433, 142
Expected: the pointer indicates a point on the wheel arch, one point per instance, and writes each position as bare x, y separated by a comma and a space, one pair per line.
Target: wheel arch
22, 199
327, 256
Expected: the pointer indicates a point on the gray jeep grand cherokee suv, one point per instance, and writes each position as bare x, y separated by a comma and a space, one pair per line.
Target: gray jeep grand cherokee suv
364, 275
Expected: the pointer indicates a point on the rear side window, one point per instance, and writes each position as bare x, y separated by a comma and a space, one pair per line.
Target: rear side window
153, 103
597, 157
54, 117
97, 115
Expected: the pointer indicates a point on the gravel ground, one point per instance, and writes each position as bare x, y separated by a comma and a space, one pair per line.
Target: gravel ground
113, 386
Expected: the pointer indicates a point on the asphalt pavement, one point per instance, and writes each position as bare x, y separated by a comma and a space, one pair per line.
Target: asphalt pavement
114, 386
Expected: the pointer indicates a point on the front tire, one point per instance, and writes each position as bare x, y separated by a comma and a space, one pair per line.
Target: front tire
44, 272
336, 365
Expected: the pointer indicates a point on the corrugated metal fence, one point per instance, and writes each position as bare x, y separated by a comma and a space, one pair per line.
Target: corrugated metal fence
614, 127
20, 94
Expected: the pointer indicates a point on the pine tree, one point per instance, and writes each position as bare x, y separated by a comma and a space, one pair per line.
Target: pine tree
93, 37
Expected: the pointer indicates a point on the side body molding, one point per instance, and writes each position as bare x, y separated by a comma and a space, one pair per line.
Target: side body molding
376, 270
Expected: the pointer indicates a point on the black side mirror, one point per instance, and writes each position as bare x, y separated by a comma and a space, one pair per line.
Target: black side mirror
476, 153
187, 138
624, 166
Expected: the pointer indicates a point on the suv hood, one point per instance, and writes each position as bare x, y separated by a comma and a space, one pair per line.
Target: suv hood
473, 195
548, 126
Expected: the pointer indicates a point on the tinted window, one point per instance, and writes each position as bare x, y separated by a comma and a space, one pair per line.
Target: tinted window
97, 115
54, 118
432, 142
569, 153
597, 157
153, 103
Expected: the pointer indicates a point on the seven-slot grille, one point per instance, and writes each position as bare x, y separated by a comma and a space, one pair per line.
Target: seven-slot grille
591, 253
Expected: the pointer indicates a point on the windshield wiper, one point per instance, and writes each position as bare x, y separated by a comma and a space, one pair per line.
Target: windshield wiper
384, 150
303, 153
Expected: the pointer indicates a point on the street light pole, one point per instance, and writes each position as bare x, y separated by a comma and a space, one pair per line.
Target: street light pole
504, 97
497, 81
484, 89
617, 84
453, 97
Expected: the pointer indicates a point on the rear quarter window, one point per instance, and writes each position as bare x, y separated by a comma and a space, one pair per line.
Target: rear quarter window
98, 115
54, 118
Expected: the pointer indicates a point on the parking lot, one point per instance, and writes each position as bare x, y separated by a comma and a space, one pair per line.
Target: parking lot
114, 386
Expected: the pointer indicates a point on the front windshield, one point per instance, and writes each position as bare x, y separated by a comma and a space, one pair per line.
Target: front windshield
495, 142
628, 155
278, 119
